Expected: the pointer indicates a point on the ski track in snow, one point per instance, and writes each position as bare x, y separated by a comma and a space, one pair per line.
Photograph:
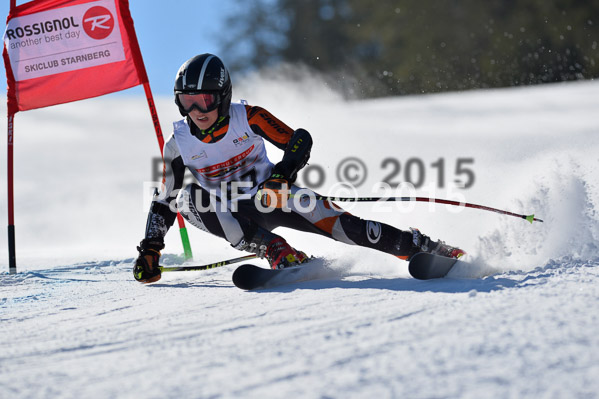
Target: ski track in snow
522, 324
87, 331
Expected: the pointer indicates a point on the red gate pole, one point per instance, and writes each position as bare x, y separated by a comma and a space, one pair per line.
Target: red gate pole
12, 259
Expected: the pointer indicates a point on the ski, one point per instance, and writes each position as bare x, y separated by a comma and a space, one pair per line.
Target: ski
425, 266
251, 277
205, 267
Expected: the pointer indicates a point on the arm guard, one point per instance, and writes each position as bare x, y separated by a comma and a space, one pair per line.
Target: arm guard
297, 154
162, 213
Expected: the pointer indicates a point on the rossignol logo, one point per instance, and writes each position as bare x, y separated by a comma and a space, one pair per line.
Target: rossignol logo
98, 23
64, 39
40, 28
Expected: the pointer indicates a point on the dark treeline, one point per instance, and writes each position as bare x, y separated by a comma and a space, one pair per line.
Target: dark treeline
377, 48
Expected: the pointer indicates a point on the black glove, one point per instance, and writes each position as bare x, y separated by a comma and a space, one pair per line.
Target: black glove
296, 155
146, 269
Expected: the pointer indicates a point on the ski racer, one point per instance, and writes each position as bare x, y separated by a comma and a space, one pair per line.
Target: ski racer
222, 144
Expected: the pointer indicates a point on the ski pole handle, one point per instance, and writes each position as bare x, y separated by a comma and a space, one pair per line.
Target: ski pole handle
206, 267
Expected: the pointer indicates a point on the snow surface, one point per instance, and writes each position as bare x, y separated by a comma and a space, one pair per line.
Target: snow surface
74, 323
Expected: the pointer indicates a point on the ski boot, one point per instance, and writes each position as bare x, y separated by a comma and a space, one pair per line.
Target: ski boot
274, 248
447, 251
281, 255
435, 247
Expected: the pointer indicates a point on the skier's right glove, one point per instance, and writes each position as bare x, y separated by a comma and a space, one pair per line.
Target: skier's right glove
146, 269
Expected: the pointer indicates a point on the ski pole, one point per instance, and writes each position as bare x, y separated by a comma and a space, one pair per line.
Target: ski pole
206, 267
530, 218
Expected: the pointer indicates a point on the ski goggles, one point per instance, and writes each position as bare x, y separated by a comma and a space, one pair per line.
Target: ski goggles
205, 102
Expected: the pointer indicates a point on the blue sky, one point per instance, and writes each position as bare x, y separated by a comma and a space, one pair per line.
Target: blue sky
169, 32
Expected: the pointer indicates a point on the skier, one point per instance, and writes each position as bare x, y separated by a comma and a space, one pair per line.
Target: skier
222, 144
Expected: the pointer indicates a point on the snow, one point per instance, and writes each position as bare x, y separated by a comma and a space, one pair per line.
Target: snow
75, 324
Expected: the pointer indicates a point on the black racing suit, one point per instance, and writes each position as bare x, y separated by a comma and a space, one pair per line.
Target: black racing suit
247, 223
